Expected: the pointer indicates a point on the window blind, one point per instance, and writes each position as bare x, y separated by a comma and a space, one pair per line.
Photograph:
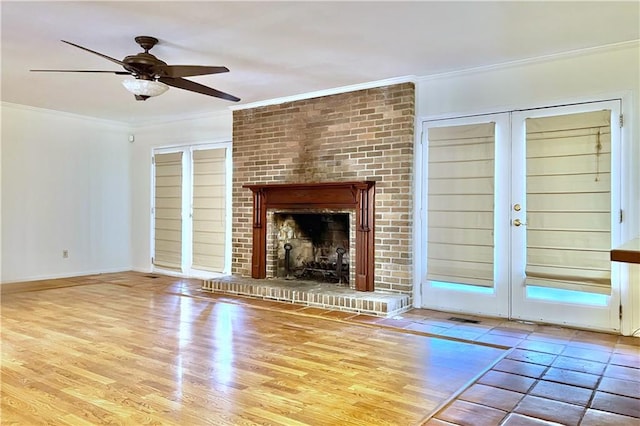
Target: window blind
569, 201
168, 211
209, 209
460, 200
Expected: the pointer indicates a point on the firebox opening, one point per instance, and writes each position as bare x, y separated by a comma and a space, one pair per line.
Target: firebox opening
313, 246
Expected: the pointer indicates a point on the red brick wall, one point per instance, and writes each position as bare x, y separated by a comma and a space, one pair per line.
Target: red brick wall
362, 135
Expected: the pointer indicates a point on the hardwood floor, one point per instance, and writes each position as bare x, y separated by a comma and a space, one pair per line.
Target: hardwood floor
131, 349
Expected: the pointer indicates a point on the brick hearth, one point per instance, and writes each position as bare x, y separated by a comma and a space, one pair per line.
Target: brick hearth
311, 293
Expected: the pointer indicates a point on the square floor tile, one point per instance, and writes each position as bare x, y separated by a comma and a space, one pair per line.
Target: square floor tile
510, 332
602, 418
437, 422
531, 356
426, 328
569, 377
624, 373
605, 347
595, 336
625, 360
588, 354
620, 387
467, 413
522, 368
461, 333
497, 339
616, 404
507, 381
556, 331
554, 411
561, 392
517, 325
626, 349
501, 399
515, 419
542, 346
577, 364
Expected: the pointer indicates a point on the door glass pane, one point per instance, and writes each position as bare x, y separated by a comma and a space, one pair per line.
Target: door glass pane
168, 211
209, 209
460, 246
568, 198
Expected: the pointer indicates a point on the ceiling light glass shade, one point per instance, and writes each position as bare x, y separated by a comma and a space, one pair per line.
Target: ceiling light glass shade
145, 87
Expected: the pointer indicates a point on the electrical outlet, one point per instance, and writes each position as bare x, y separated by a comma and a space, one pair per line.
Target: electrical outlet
65, 254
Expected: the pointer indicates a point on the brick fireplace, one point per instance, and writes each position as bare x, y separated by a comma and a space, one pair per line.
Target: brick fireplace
364, 136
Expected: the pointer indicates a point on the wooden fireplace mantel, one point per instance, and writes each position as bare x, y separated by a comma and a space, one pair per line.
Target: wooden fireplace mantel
359, 196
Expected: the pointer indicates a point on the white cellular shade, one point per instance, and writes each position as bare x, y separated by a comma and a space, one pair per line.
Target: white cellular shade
209, 209
569, 201
168, 211
460, 242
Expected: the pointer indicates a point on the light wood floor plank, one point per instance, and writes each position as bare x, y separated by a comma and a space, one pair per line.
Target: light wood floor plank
126, 349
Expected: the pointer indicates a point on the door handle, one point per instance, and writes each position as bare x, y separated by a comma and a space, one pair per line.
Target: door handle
517, 222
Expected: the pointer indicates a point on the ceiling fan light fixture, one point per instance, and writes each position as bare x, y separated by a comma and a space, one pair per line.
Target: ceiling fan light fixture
147, 88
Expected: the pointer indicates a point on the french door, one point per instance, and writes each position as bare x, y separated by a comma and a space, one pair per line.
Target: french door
519, 212
191, 209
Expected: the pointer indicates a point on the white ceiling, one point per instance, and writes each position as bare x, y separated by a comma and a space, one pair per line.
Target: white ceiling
280, 49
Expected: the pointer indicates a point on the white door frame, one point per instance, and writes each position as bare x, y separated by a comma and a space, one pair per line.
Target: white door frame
187, 211
493, 303
466, 298
593, 311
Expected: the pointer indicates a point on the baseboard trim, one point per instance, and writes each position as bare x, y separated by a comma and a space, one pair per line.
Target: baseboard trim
50, 281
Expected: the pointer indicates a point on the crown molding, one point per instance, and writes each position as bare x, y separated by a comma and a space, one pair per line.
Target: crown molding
532, 61
327, 92
57, 113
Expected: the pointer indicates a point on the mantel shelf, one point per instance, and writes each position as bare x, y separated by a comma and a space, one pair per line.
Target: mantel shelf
629, 252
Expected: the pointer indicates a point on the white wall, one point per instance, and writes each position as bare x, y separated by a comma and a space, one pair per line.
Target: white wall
205, 129
65, 185
587, 76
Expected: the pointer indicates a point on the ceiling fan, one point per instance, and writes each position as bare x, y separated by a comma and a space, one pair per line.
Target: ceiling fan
152, 76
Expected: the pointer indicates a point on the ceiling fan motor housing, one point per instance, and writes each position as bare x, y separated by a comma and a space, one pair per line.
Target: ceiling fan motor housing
144, 65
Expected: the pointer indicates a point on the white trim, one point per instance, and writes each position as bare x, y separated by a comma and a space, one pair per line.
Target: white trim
327, 92
629, 229
527, 306
66, 275
418, 211
178, 118
493, 302
121, 124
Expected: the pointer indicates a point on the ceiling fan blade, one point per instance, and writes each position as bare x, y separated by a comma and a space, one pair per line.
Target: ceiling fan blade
95, 53
109, 72
177, 71
192, 86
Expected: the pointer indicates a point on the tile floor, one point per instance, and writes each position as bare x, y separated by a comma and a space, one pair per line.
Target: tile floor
551, 375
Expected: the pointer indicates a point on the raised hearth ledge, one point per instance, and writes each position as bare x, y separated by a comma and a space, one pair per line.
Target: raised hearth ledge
311, 293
